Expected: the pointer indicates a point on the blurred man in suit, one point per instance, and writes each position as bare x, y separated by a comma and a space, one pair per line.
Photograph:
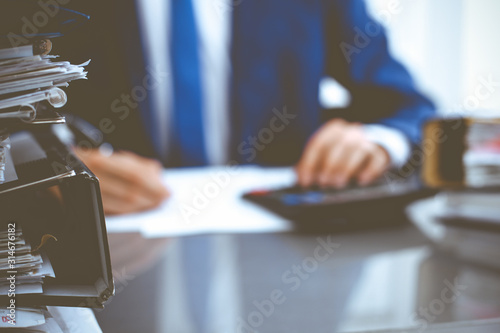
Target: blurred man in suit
194, 82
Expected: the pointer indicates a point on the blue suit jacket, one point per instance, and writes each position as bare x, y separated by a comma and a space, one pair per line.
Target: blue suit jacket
280, 51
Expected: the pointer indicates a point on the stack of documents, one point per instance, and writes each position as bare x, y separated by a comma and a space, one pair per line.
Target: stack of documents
49, 319
17, 260
464, 219
23, 317
471, 205
466, 226
482, 159
27, 78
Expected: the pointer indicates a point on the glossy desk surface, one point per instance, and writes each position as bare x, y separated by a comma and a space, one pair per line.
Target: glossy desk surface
377, 280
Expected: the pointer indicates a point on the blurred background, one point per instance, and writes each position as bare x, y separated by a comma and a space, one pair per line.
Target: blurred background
376, 280
449, 46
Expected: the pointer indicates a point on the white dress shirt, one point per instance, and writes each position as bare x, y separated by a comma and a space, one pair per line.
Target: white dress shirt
213, 22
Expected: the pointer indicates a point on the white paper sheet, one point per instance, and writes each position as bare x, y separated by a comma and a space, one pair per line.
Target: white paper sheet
208, 200
24, 317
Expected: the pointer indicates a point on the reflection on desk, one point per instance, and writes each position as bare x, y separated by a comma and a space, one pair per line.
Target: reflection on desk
388, 279
476, 326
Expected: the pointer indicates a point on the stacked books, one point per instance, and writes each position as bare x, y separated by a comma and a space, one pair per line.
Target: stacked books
462, 160
473, 190
482, 157
462, 153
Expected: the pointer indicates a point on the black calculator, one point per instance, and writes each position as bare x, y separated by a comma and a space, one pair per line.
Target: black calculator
380, 204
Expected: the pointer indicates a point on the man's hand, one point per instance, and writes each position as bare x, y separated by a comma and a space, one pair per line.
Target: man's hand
339, 152
129, 183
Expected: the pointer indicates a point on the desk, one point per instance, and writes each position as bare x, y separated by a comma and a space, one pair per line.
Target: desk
295, 283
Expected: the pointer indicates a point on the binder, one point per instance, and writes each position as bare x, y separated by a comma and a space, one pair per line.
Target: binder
45, 189
80, 257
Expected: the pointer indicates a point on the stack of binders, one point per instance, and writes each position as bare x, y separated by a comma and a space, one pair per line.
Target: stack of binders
53, 242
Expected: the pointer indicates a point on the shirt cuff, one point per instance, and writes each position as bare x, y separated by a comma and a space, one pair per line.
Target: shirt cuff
392, 140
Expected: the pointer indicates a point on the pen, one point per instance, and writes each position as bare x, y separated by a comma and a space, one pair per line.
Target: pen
83, 131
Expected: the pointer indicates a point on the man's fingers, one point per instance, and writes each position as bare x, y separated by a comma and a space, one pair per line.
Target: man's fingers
315, 151
375, 167
339, 152
356, 163
142, 173
154, 164
128, 182
352, 161
309, 163
328, 173
343, 158
114, 206
153, 182
126, 192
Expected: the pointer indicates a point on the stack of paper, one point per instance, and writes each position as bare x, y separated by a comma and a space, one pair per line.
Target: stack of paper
27, 78
23, 317
49, 319
482, 159
20, 266
467, 233
28, 75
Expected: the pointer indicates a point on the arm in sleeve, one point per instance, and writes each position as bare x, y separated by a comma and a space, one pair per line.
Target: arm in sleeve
382, 90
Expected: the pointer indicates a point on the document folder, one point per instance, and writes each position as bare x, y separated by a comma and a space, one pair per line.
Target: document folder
52, 193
